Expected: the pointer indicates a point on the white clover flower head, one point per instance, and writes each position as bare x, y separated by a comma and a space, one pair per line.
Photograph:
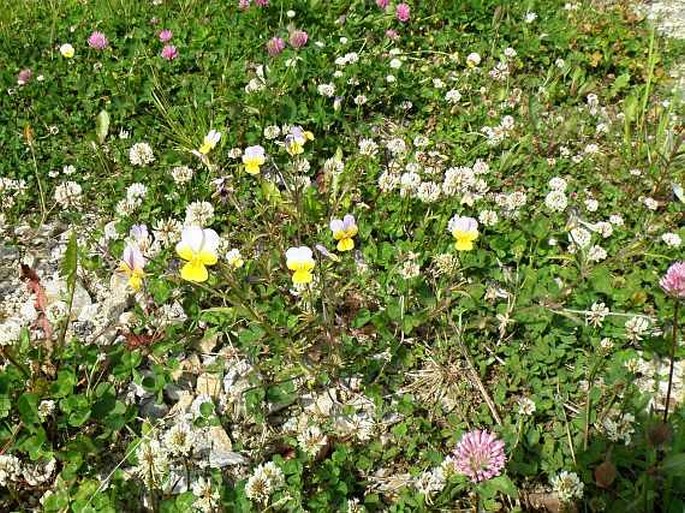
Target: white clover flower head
636, 328
181, 174
556, 200
141, 154
453, 96
327, 90
199, 213
672, 240
180, 439
580, 237
596, 254
596, 315
567, 486
272, 132
558, 184
68, 194
526, 406
10, 469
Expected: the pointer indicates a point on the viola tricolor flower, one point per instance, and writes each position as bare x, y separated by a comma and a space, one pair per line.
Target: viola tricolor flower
235, 259
295, 140
343, 231
465, 231
253, 158
300, 261
199, 248
210, 142
67, 50
132, 266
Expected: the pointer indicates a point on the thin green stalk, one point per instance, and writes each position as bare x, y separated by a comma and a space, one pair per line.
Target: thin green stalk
43, 208
7, 354
674, 346
588, 402
651, 62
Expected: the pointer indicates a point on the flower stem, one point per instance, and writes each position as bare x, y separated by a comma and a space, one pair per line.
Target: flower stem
674, 345
11, 358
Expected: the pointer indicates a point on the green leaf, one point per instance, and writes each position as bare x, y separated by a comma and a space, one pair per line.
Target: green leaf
64, 384
28, 408
102, 126
674, 465
504, 485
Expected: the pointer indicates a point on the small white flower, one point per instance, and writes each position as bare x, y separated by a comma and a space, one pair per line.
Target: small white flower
672, 240
136, 192
581, 237
558, 184
68, 194
327, 90
567, 486
180, 439
10, 469
526, 406
556, 200
452, 96
636, 327
488, 218
651, 203
141, 154
596, 315
199, 213
616, 220
596, 254
272, 132
182, 174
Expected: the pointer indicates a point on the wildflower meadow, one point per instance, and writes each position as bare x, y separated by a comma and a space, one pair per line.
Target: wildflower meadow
341, 256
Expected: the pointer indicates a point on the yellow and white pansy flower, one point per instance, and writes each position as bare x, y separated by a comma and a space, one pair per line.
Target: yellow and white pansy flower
132, 265
300, 261
465, 231
253, 158
199, 248
343, 231
210, 142
295, 140
235, 259
67, 50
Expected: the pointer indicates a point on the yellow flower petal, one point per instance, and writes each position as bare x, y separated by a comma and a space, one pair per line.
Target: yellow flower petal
346, 244
252, 168
207, 257
184, 251
135, 281
194, 271
301, 277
